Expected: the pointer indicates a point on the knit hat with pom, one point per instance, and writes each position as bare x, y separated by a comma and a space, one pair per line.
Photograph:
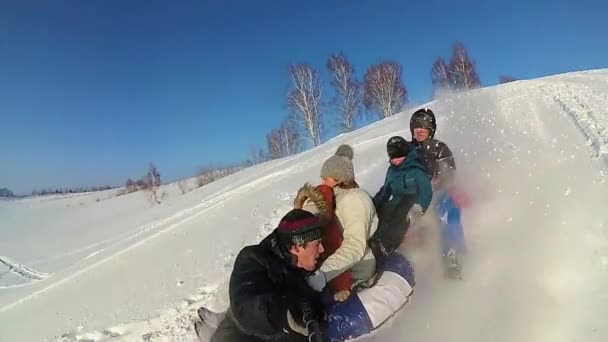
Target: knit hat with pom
340, 165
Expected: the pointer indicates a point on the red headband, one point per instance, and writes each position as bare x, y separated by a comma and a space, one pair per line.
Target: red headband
294, 226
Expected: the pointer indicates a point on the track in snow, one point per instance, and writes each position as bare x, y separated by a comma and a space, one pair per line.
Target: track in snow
22, 270
587, 109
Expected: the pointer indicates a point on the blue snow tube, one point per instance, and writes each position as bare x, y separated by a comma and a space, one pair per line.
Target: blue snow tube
366, 310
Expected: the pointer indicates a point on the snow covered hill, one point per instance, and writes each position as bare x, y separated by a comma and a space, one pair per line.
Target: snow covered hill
532, 154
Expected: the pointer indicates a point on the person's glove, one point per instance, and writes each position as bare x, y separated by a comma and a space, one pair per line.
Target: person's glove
341, 296
415, 214
317, 281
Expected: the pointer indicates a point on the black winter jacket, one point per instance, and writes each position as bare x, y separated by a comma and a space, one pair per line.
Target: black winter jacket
437, 157
263, 285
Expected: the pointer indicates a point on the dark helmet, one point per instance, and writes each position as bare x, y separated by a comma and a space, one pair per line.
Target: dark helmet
423, 118
397, 147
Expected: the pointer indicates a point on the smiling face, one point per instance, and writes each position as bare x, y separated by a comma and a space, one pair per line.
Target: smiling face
308, 254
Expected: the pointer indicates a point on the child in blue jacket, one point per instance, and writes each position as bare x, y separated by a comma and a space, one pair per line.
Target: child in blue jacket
405, 195
406, 176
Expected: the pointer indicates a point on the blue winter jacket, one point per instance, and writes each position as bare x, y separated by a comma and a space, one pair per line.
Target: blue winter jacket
408, 179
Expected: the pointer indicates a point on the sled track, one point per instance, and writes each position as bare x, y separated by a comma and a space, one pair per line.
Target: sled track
583, 105
22, 270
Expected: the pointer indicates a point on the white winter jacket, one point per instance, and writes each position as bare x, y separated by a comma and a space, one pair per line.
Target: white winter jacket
356, 214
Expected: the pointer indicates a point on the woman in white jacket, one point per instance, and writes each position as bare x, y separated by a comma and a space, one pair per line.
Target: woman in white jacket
357, 216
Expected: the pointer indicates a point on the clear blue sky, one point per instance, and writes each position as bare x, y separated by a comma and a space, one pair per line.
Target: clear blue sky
90, 91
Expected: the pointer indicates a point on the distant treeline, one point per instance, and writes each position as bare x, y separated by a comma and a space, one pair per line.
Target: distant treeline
62, 191
4, 192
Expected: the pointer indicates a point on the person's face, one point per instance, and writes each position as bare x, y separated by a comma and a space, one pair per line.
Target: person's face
421, 134
308, 254
329, 182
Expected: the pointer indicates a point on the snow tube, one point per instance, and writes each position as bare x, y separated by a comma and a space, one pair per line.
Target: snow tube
368, 309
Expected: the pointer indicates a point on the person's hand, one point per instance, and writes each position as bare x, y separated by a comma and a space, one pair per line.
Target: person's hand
317, 281
341, 296
415, 214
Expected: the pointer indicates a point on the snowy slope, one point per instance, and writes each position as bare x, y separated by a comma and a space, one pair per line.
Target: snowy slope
533, 155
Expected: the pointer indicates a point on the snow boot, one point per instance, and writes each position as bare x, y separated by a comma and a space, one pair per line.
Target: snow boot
452, 265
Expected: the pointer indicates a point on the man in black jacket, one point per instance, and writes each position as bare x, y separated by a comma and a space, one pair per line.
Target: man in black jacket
269, 297
437, 156
441, 168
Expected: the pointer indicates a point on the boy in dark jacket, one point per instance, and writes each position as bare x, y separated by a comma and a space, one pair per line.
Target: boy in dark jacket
405, 195
269, 297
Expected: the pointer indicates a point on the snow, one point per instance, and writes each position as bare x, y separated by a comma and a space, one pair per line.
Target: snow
532, 154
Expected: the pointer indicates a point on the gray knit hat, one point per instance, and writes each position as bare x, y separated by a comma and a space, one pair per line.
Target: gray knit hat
340, 165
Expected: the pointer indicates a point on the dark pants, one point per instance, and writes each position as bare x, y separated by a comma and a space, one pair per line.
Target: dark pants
393, 224
227, 331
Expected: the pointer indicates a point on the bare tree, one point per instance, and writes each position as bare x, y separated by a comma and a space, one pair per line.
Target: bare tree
257, 155
290, 137
200, 180
274, 144
283, 141
506, 79
441, 76
348, 90
305, 100
152, 182
5, 192
208, 174
462, 69
130, 184
183, 187
383, 88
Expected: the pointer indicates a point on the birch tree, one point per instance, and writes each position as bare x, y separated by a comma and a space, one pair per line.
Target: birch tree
384, 91
462, 69
441, 76
305, 100
348, 90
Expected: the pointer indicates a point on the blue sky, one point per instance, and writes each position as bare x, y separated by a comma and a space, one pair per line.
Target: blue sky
91, 91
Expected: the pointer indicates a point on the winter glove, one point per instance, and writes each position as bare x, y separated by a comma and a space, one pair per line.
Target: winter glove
317, 281
415, 214
341, 296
